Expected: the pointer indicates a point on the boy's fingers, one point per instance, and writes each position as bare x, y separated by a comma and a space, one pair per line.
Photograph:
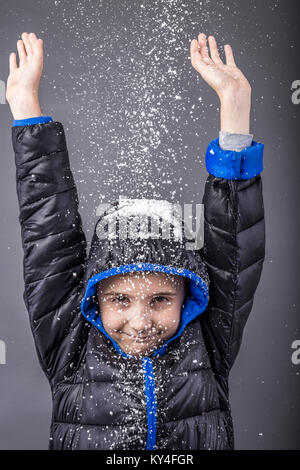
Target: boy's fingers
196, 59
27, 43
33, 40
34, 44
12, 62
32, 37
214, 50
204, 48
38, 48
229, 55
21, 52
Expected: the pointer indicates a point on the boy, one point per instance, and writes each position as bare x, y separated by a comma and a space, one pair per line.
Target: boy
137, 339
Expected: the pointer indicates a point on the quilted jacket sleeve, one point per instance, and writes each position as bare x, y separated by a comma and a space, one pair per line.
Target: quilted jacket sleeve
234, 248
53, 242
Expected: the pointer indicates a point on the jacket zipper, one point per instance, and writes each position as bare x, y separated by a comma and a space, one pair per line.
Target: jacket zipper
151, 402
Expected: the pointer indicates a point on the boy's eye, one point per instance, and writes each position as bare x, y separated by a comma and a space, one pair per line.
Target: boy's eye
120, 298
159, 299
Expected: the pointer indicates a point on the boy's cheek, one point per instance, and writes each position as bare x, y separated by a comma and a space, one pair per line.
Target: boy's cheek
109, 325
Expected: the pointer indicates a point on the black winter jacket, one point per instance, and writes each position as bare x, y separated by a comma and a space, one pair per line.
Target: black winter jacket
176, 398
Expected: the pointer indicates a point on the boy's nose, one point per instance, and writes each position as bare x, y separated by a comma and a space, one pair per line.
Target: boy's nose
140, 321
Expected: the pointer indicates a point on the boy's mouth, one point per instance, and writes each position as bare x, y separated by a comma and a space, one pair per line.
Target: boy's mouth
140, 339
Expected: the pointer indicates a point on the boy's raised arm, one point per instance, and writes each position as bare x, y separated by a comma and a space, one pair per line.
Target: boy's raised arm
234, 224
53, 241
234, 251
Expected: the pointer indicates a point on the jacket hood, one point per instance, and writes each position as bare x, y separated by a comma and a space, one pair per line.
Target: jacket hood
122, 243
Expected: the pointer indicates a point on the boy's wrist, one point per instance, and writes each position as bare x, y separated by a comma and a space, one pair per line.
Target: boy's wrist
235, 112
26, 108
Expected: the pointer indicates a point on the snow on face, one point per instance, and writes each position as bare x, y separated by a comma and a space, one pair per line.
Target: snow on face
141, 310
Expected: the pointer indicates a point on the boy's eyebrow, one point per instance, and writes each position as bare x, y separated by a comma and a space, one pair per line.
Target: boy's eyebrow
128, 295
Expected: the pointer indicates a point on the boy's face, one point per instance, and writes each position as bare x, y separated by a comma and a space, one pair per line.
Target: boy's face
141, 310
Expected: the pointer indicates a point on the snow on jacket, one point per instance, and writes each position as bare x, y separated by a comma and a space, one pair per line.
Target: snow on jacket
177, 397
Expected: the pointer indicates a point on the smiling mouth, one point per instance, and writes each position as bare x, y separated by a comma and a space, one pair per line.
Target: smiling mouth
140, 339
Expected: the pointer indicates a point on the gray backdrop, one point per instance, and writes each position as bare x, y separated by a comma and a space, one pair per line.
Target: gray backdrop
138, 119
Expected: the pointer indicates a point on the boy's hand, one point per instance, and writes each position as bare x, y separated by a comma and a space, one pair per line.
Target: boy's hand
222, 78
23, 81
227, 80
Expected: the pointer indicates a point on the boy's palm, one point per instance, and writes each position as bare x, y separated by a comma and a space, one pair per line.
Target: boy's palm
221, 77
25, 78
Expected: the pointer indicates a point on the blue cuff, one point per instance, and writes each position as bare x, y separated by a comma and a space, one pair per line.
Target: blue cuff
233, 165
33, 120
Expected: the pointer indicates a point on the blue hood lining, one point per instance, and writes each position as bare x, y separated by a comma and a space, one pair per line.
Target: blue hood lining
195, 303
